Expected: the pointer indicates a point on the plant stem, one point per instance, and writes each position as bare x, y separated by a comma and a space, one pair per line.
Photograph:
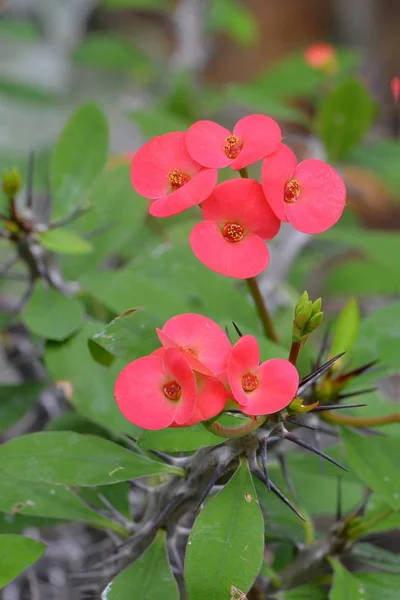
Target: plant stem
361, 421
294, 352
234, 432
262, 310
365, 527
244, 173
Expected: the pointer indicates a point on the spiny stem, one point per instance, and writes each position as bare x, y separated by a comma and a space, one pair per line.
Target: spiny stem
361, 421
294, 352
262, 310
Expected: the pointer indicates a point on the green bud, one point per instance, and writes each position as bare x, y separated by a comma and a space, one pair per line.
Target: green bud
304, 314
11, 182
303, 300
316, 306
314, 322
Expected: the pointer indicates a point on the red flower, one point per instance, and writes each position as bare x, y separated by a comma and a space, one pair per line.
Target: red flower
163, 171
321, 55
395, 88
211, 400
253, 138
238, 222
153, 391
204, 344
260, 389
311, 195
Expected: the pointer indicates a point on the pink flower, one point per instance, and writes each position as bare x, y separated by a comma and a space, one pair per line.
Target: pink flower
163, 171
260, 389
395, 88
253, 138
204, 344
321, 55
238, 222
211, 399
311, 195
153, 391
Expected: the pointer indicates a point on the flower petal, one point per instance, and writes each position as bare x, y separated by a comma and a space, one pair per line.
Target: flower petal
205, 143
138, 392
244, 358
276, 170
194, 192
177, 367
211, 399
244, 259
322, 197
278, 384
260, 136
242, 201
195, 364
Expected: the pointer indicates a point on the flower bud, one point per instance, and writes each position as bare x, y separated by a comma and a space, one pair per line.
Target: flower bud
303, 300
11, 182
307, 317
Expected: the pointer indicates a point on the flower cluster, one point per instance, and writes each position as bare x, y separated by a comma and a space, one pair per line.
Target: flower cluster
196, 372
178, 170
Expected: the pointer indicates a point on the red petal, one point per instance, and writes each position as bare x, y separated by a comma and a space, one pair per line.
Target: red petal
260, 136
244, 259
194, 192
278, 384
195, 364
205, 142
242, 201
138, 392
322, 197
244, 358
177, 367
211, 399
277, 169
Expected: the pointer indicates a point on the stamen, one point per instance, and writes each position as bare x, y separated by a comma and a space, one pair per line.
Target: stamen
233, 146
292, 191
172, 390
249, 382
177, 179
233, 232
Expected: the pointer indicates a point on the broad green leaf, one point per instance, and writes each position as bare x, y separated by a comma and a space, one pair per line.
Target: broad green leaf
344, 117
117, 494
92, 384
376, 463
232, 18
226, 545
79, 157
19, 496
64, 242
128, 336
51, 315
304, 592
345, 586
68, 458
17, 553
379, 516
73, 421
178, 439
150, 577
157, 121
346, 328
255, 97
17, 523
382, 157
384, 586
16, 400
361, 277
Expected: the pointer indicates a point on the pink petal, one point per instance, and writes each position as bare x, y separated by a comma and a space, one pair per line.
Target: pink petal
177, 368
195, 364
278, 384
395, 88
276, 170
244, 358
322, 197
207, 342
260, 135
242, 201
205, 142
244, 259
211, 399
155, 159
190, 194
319, 54
138, 392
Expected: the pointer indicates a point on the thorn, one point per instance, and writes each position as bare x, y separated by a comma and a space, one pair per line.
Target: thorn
264, 461
165, 457
29, 180
317, 440
335, 407
306, 382
259, 474
339, 503
359, 370
356, 393
286, 475
294, 421
240, 334
214, 478
299, 442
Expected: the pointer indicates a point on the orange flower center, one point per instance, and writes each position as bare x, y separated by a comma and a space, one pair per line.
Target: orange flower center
233, 146
292, 191
172, 390
233, 232
177, 179
249, 382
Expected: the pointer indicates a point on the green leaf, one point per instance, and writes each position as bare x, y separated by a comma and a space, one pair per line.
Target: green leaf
231, 17
382, 157
226, 545
178, 439
346, 328
384, 586
345, 585
137, 4
344, 117
379, 517
51, 315
67, 458
157, 121
64, 242
375, 463
19, 496
128, 336
78, 158
15, 402
304, 592
150, 577
73, 421
109, 51
17, 553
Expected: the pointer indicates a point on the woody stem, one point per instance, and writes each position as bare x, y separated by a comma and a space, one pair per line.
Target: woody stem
262, 309
294, 352
361, 421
